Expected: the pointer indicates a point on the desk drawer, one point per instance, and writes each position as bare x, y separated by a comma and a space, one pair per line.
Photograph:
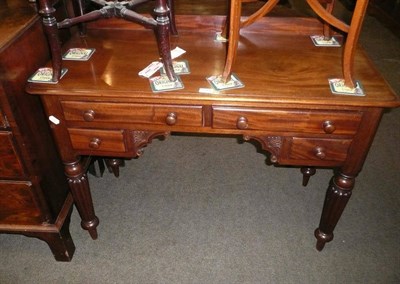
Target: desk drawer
133, 113
301, 121
10, 164
97, 140
319, 149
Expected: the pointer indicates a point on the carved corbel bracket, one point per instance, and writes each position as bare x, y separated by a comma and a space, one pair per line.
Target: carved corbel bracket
141, 139
271, 144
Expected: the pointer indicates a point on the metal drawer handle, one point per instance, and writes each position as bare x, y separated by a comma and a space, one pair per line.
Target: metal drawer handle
171, 118
242, 123
88, 115
95, 143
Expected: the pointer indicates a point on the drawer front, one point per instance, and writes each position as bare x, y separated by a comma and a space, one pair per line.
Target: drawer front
17, 204
97, 140
10, 164
317, 122
133, 113
319, 149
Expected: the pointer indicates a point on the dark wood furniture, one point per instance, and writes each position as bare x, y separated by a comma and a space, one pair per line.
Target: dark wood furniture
102, 108
34, 196
164, 22
323, 8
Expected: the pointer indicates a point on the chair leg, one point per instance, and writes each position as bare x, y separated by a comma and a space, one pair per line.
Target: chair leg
162, 34
173, 28
234, 32
327, 28
81, 10
264, 10
352, 30
351, 42
235, 24
50, 28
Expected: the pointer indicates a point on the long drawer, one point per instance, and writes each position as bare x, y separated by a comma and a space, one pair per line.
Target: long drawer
179, 115
300, 121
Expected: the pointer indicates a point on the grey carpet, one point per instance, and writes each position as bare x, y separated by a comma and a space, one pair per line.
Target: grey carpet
209, 210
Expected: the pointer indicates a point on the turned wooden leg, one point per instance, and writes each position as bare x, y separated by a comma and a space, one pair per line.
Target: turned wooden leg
51, 30
307, 173
79, 185
337, 196
113, 165
162, 32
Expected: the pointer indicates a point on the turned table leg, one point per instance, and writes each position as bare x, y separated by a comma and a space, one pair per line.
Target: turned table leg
337, 196
79, 186
307, 173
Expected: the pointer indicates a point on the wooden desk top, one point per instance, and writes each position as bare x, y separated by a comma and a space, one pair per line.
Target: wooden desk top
276, 61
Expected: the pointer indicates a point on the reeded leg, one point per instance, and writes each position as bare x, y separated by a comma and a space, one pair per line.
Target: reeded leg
79, 185
337, 196
162, 32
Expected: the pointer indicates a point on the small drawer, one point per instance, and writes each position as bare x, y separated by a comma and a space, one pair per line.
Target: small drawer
17, 204
319, 149
10, 164
300, 121
97, 140
172, 115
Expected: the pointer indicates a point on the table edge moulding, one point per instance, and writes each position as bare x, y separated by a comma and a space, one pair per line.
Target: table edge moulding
101, 107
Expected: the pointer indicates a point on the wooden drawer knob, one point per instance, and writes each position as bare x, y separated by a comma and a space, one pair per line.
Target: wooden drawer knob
88, 115
95, 143
329, 127
171, 118
242, 123
320, 152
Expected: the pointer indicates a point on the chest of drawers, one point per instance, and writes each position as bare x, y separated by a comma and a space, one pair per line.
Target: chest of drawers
34, 196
